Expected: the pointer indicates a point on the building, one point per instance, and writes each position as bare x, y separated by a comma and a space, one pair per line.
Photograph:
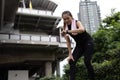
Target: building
89, 15
30, 44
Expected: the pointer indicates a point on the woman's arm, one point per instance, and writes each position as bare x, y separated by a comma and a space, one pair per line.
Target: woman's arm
68, 42
69, 47
66, 36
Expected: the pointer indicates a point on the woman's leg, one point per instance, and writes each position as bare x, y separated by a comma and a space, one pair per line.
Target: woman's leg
76, 55
89, 48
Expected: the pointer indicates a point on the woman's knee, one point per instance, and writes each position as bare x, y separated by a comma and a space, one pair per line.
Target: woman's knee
71, 62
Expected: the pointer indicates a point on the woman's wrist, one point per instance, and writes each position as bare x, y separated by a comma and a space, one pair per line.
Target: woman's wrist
67, 31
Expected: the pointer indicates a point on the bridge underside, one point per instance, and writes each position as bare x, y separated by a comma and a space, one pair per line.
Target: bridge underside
18, 54
29, 57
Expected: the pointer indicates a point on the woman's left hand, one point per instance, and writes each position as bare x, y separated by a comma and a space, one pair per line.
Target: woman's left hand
63, 32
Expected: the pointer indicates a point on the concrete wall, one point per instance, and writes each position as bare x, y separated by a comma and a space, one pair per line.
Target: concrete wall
17, 75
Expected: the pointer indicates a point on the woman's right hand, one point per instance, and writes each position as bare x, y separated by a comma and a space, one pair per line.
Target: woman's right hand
70, 57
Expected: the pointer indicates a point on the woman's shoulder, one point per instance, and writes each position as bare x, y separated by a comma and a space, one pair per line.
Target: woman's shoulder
78, 22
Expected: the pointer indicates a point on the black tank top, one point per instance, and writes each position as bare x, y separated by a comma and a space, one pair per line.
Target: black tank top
80, 38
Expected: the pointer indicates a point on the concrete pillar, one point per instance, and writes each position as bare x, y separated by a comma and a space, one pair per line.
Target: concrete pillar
23, 1
58, 69
2, 13
48, 69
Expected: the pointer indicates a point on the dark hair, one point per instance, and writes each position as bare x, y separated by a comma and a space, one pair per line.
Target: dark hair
67, 12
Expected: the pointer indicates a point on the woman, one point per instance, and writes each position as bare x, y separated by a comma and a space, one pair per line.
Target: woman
84, 44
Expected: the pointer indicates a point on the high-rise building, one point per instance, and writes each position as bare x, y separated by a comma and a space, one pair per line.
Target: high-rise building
89, 15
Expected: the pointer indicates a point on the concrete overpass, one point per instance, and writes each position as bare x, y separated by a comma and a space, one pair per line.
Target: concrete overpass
29, 39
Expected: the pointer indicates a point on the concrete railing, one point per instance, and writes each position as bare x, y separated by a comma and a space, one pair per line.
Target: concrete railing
34, 11
29, 37
34, 38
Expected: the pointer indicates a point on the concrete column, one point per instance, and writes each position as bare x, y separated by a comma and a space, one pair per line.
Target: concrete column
2, 13
58, 69
23, 1
48, 69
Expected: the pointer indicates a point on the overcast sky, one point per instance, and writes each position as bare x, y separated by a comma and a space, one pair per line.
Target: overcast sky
73, 6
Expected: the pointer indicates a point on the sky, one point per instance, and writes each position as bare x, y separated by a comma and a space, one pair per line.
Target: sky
73, 6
